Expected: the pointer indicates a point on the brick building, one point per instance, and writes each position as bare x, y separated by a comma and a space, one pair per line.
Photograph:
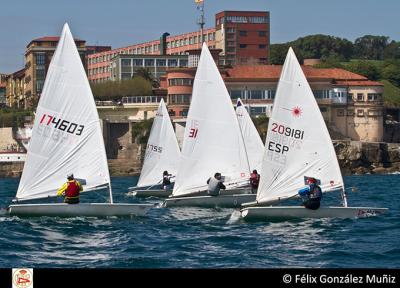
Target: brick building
242, 36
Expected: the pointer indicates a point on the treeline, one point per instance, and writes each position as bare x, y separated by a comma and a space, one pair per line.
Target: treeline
335, 49
115, 90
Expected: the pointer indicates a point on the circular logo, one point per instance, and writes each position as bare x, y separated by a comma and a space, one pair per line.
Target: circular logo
23, 278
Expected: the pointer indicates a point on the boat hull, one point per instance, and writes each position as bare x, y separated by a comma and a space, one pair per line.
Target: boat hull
223, 201
288, 212
81, 209
160, 193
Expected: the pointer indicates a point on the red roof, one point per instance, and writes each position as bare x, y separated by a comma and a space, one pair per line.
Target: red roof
273, 72
51, 38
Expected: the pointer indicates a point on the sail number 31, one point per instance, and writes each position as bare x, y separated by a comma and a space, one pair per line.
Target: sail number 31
63, 125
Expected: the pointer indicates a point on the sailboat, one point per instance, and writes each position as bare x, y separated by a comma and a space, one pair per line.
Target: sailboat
67, 138
252, 140
298, 146
212, 143
162, 154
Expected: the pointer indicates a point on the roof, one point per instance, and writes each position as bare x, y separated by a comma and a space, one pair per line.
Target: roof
273, 72
51, 39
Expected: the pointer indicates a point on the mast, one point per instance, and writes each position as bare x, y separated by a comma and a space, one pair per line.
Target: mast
201, 21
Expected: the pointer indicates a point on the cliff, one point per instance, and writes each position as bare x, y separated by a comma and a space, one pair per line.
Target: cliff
365, 157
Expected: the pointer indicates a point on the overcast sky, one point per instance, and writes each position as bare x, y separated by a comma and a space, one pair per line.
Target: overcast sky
121, 23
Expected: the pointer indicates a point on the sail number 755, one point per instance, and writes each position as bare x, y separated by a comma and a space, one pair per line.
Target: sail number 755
63, 125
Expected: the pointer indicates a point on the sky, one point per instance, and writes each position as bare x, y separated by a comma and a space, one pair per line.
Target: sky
120, 23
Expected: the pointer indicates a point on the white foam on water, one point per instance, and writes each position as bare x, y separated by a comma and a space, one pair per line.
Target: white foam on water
234, 218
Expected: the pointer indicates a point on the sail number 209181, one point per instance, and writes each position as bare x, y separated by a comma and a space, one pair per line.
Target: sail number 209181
63, 125
287, 131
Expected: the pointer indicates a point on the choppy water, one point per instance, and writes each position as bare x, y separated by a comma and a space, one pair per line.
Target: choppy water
206, 238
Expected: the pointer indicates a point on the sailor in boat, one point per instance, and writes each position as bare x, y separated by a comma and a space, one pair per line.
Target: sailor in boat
254, 181
70, 190
166, 183
311, 194
215, 184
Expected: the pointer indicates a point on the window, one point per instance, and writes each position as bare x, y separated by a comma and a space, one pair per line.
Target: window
262, 46
235, 94
340, 112
255, 94
243, 33
230, 30
148, 62
171, 113
321, 94
258, 19
125, 62
40, 59
231, 49
350, 112
137, 62
172, 62
180, 82
242, 45
180, 98
184, 112
236, 19
323, 109
360, 113
262, 33
360, 97
161, 62
183, 63
374, 96
270, 94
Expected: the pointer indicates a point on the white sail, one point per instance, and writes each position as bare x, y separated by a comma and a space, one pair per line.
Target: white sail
212, 141
298, 144
162, 151
251, 138
66, 136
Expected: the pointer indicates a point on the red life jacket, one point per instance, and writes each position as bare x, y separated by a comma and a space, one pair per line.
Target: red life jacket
72, 190
254, 180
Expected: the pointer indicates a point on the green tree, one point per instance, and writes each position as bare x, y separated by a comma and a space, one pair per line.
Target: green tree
392, 51
365, 68
370, 47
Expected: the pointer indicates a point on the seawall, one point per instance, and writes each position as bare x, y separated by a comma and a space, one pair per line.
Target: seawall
354, 157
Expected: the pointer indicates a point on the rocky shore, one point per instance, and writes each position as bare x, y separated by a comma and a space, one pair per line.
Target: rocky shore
354, 157
357, 157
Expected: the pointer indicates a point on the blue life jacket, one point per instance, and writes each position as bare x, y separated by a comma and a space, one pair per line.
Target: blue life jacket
312, 191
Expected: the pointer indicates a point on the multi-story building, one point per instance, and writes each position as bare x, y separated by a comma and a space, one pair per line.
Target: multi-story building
243, 38
38, 55
15, 89
351, 104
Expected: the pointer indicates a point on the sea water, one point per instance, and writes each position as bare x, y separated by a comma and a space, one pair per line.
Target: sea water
205, 238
